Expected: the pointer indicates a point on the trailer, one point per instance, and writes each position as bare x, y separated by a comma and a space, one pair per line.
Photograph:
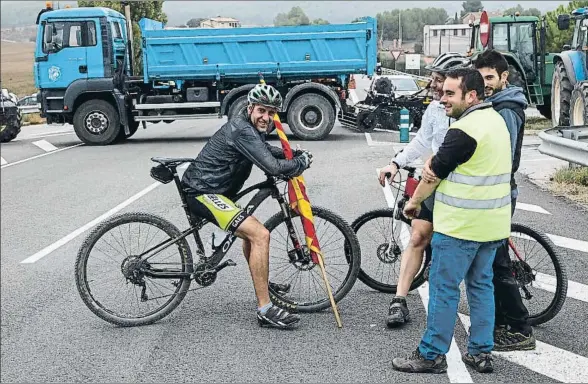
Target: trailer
84, 72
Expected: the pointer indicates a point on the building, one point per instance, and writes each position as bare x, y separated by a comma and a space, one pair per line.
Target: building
472, 17
446, 38
220, 22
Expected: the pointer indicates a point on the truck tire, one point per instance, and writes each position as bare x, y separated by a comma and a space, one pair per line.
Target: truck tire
237, 107
561, 94
578, 105
96, 122
11, 127
545, 109
311, 117
133, 127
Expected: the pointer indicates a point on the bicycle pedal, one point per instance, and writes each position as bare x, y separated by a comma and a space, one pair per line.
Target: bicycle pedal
228, 263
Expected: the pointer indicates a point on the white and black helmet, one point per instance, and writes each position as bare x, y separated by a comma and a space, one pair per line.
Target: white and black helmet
265, 95
448, 61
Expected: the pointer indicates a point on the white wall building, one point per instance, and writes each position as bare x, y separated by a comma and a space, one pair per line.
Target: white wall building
446, 38
220, 22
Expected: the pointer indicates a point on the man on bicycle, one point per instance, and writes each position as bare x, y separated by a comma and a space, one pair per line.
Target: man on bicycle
513, 331
220, 171
428, 139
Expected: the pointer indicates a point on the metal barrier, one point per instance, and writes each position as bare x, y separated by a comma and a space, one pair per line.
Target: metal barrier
26, 109
388, 71
566, 143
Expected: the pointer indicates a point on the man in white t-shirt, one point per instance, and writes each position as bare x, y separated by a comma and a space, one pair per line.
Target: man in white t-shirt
428, 139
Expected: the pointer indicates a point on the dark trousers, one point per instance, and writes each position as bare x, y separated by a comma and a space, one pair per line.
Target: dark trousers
508, 302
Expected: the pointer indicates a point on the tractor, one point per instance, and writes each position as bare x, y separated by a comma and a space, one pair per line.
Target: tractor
570, 77
521, 39
10, 116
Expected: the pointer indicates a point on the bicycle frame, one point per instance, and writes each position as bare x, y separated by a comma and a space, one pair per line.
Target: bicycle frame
265, 189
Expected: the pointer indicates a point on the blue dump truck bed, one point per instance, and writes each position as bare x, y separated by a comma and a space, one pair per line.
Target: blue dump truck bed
241, 54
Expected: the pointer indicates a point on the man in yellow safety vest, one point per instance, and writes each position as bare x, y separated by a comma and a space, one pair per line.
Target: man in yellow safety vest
471, 219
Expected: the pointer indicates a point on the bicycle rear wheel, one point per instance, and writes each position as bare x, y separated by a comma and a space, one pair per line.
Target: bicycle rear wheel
104, 279
341, 255
543, 284
383, 239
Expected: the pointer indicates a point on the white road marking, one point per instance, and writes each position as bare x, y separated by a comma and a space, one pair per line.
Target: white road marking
2, 161
565, 242
45, 145
548, 283
38, 156
546, 360
373, 143
59, 243
456, 369
532, 208
45, 134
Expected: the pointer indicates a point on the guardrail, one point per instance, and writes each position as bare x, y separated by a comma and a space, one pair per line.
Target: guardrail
26, 109
566, 143
388, 71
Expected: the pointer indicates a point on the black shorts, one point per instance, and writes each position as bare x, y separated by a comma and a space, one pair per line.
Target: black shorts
217, 209
426, 213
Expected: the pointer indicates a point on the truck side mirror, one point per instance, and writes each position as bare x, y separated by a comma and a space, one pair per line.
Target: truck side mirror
563, 22
49, 32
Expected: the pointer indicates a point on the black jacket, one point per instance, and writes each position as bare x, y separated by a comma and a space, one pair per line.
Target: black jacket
224, 164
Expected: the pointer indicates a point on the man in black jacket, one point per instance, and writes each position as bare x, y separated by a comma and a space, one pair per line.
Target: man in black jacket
220, 171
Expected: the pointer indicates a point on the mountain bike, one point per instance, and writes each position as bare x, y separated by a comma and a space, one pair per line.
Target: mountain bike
381, 258
151, 284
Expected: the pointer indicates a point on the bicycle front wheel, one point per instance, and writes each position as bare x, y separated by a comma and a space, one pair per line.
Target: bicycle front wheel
383, 239
341, 256
540, 273
114, 281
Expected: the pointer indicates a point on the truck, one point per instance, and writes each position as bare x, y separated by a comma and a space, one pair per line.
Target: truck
10, 116
84, 71
570, 81
522, 41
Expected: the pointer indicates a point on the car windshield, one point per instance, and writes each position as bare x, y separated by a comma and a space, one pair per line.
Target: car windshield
405, 84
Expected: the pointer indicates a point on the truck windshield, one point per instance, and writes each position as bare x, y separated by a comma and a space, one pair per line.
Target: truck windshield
500, 37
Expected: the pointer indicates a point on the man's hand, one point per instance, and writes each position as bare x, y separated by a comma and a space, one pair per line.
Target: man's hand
387, 169
428, 175
307, 158
411, 209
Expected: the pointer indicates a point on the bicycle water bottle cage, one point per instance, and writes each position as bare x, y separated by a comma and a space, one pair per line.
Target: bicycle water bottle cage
162, 174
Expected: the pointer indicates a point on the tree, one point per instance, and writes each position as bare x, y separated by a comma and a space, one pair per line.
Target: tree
418, 47
471, 6
556, 38
195, 22
413, 21
320, 21
296, 16
139, 9
522, 12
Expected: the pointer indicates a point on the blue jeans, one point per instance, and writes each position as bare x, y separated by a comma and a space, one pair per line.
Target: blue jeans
454, 260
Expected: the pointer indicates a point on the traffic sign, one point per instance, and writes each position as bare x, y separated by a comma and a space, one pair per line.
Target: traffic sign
396, 54
413, 61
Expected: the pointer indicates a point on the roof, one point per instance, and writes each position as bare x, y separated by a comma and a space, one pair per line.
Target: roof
222, 19
449, 26
510, 19
81, 12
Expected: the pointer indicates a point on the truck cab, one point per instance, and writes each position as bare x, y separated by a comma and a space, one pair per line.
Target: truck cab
78, 50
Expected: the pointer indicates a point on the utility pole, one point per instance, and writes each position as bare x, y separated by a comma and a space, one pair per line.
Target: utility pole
399, 29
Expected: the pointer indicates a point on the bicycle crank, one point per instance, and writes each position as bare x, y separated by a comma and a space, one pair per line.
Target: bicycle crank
205, 274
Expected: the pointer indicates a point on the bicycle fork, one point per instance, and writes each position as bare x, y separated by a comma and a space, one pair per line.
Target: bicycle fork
298, 253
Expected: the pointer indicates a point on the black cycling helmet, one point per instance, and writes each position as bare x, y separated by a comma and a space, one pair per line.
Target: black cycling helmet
448, 61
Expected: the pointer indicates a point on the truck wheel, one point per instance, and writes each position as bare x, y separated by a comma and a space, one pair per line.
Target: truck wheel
561, 94
578, 106
133, 127
11, 127
96, 122
545, 109
237, 107
311, 117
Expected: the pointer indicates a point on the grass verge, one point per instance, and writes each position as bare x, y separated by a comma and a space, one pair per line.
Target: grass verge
571, 183
33, 118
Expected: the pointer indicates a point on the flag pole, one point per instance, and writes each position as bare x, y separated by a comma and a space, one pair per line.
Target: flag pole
293, 183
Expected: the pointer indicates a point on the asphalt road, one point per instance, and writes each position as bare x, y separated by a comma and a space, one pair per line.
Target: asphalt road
49, 335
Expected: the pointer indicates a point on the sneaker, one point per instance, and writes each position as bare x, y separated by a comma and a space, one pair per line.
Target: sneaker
416, 363
482, 363
280, 288
276, 317
398, 313
508, 340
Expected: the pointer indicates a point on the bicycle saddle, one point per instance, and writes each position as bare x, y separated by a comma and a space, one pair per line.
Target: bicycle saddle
170, 161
